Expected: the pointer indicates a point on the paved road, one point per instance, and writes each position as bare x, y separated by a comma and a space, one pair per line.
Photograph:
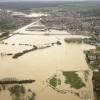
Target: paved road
25, 27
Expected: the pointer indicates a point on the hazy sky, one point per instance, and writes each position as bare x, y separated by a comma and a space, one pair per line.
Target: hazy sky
46, 0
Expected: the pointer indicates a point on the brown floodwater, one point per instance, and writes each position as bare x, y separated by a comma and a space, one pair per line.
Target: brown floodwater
41, 64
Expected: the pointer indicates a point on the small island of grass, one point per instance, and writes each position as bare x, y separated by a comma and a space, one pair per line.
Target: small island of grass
54, 81
73, 79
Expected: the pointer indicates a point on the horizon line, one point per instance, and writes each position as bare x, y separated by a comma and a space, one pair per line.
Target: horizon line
53, 1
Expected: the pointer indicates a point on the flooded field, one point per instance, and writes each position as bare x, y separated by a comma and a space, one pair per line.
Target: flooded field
41, 64
27, 15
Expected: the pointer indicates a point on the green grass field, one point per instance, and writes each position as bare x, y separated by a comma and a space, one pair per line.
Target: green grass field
80, 6
73, 79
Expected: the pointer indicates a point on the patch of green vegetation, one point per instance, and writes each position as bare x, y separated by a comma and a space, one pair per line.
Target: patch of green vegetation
87, 59
79, 6
7, 25
17, 90
98, 48
24, 52
93, 66
5, 34
54, 81
74, 80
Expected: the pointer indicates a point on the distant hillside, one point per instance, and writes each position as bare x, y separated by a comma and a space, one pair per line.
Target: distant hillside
38, 4
28, 5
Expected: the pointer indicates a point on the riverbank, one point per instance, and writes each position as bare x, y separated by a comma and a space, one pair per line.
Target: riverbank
92, 58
